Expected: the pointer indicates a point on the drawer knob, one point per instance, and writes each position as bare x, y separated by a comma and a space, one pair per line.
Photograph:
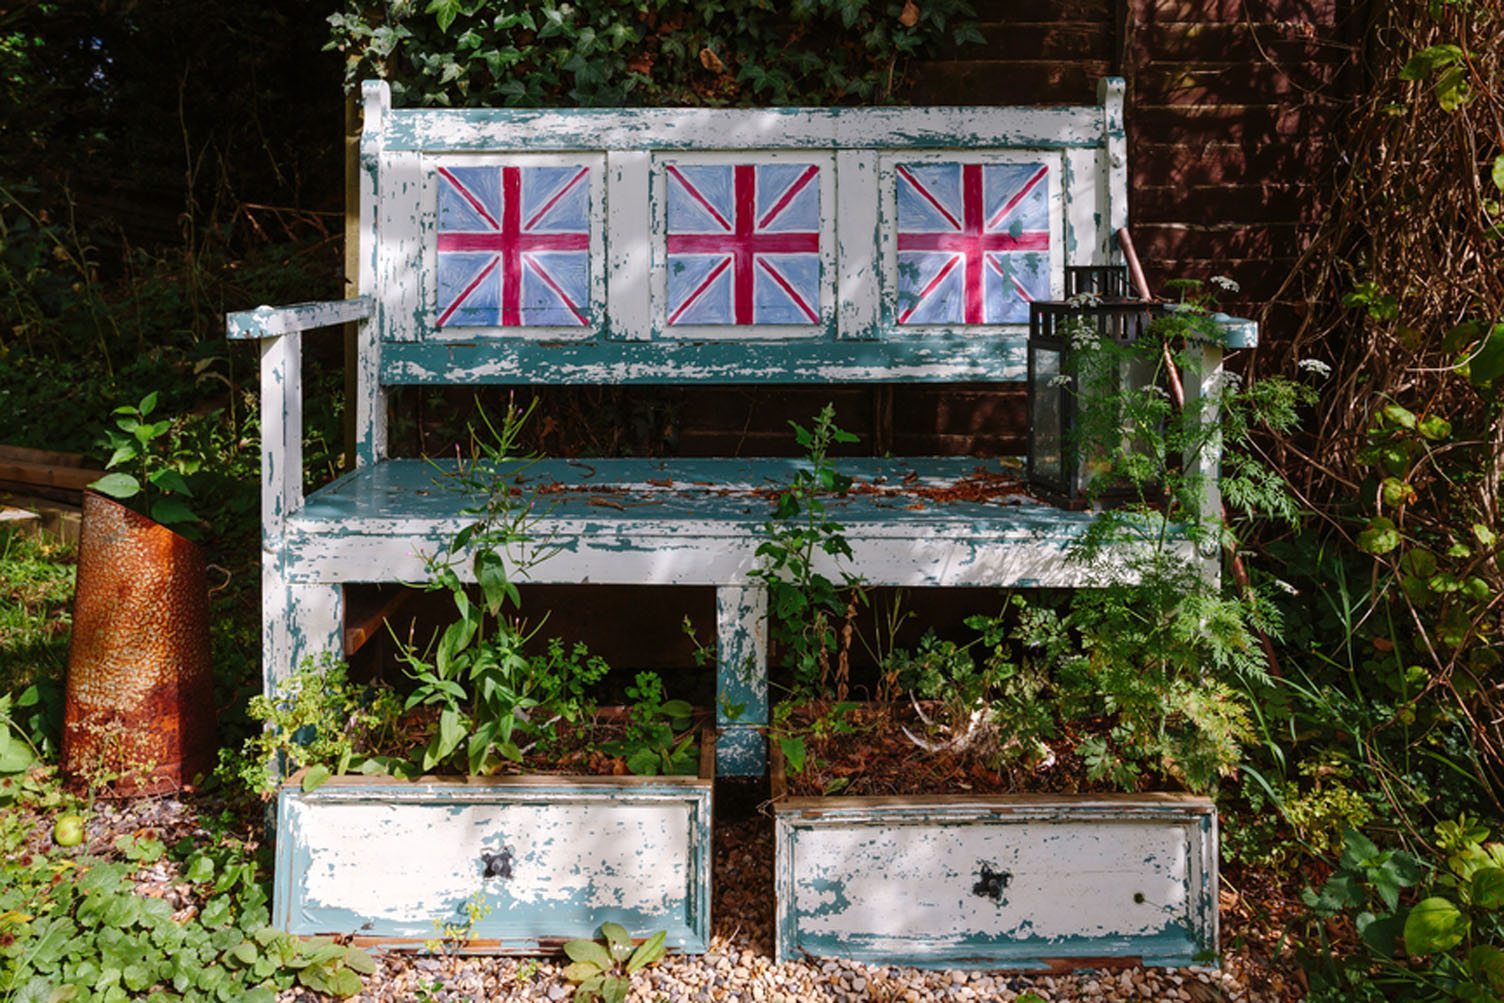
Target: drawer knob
990, 883
497, 865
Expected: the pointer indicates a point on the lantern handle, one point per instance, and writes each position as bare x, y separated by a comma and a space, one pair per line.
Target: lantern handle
1135, 268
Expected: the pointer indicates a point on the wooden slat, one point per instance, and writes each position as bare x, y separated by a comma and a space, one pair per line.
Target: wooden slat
1271, 202
1214, 163
47, 475
1233, 123
1240, 83
1289, 42
1318, 13
1159, 241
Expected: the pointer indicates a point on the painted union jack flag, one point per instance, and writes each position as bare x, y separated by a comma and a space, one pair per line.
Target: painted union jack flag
973, 242
743, 244
514, 246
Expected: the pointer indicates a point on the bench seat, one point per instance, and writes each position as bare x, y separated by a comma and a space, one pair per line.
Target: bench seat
929, 521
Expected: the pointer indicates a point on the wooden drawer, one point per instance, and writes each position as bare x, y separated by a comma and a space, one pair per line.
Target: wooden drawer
389, 862
1027, 882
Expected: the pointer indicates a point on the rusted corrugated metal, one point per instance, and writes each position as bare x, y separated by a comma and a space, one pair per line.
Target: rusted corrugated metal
140, 696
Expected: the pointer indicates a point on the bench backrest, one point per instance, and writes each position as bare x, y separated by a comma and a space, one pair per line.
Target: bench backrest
670, 245
723, 245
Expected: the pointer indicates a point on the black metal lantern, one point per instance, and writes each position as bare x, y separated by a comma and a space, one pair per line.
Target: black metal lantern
1063, 337
1102, 281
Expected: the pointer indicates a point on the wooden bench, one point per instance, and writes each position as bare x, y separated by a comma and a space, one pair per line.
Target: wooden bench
689, 246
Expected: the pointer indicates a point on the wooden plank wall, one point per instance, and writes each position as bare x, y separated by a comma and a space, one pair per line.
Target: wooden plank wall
1231, 106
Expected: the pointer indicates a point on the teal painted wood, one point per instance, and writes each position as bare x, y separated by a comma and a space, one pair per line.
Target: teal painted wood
273, 322
695, 522
1014, 882
741, 702
390, 862
569, 129
514, 361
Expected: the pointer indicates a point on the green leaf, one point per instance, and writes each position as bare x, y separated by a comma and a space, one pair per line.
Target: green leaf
1488, 364
314, 778
200, 869
1498, 172
1435, 428
1379, 934
614, 990
444, 11
1454, 88
117, 485
581, 971
1488, 887
170, 510
1428, 60
643, 762
1380, 537
216, 912
1434, 925
1401, 416
344, 983
1486, 962
647, 952
792, 747
15, 755
618, 940
124, 453
359, 961
168, 479
590, 952
678, 708
1484, 534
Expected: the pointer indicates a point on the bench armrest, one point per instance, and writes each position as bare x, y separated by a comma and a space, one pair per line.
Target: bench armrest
275, 321
280, 332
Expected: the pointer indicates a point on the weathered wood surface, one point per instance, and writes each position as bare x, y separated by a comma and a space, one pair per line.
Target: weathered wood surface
391, 862
694, 522
1034, 882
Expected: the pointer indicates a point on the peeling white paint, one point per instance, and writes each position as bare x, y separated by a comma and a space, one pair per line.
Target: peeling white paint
405, 860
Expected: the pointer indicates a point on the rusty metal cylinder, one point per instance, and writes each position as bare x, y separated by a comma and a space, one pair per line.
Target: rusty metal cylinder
139, 712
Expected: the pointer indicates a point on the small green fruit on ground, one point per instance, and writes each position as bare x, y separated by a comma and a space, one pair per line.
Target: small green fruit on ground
68, 830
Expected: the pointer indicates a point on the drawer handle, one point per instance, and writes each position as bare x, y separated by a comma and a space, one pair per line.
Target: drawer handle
990, 883
497, 865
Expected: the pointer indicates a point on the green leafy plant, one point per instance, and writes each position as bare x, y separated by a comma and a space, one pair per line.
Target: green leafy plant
17, 755
494, 700
1448, 943
667, 52
320, 722
660, 735
72, 926
604, 971
156, 487
1173, 655
810, 615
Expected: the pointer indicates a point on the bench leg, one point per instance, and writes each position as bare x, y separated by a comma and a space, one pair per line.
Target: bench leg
299, 622
741, 617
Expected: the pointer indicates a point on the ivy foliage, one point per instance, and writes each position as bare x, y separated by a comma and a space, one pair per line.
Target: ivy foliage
644, 52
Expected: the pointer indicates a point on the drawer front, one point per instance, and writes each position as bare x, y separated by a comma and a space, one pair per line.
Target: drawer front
395, 863
1042, 885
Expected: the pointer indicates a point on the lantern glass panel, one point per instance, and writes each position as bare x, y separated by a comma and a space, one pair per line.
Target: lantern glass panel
1047, 453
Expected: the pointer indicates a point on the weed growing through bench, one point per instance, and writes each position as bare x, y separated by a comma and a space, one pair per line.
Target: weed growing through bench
481, 698
810, 614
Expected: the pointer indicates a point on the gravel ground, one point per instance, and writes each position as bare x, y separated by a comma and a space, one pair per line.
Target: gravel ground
739, 967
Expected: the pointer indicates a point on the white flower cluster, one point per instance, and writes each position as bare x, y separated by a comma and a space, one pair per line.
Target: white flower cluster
1225, 284
1316, 366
